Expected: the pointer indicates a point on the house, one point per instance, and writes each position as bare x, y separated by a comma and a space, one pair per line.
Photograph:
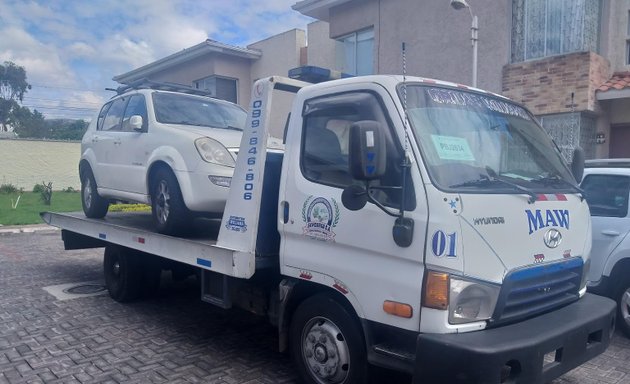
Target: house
568, 61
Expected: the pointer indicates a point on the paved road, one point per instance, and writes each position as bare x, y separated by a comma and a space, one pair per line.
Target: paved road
173, 338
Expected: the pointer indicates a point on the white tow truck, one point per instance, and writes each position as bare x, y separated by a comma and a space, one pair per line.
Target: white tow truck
408, 223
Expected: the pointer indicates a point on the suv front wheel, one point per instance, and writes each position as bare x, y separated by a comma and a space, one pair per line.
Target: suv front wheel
170, 214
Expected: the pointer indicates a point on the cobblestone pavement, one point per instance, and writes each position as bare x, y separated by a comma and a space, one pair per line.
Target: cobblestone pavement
172, 338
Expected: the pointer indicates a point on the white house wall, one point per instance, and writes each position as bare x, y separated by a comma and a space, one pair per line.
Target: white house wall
321, 48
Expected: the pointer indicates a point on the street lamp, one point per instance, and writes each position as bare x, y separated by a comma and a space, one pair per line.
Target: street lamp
460, 4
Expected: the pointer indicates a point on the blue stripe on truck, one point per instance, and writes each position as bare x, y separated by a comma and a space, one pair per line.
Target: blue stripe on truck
205, 263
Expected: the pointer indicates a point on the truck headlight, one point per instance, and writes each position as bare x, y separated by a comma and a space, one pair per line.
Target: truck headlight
212, 151
471, 301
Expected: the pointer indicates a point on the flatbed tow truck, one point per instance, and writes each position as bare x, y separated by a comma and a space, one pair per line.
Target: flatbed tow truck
408, 223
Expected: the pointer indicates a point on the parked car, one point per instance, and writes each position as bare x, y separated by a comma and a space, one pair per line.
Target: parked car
606, 183
162, 145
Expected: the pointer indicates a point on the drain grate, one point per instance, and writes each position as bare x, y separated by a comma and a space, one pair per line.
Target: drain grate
85, 289
76, 290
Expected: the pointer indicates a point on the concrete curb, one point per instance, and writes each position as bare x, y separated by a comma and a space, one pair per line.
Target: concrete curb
27, 228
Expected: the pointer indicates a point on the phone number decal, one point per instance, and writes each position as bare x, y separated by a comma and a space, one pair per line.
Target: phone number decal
252, 150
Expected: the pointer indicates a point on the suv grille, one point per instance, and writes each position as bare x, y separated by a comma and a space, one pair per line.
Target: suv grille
529, 291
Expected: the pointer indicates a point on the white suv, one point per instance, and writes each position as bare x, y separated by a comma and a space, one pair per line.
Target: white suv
606, 183
165, 146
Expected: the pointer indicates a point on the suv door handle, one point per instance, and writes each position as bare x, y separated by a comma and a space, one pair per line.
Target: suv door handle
610, 232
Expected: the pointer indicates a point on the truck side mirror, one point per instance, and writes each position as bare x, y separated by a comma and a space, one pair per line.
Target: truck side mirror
135, 122
577, 164
367, 150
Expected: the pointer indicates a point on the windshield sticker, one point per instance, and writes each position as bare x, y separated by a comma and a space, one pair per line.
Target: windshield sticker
453, 97
452, 148
539, 219
444, 244
320, 218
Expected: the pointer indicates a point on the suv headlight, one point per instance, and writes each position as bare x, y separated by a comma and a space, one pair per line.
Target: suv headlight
471, 301
212, 151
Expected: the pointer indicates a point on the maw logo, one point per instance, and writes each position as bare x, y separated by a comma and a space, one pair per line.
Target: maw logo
547, 218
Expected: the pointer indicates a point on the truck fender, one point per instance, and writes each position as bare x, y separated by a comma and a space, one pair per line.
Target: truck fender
294, 291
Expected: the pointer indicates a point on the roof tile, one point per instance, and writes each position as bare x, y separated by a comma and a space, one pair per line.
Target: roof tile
619, 81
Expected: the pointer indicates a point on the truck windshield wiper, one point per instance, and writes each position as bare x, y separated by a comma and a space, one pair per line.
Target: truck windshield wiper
556, 179
491, 178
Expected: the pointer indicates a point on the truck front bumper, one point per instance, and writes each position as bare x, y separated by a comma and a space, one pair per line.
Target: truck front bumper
536, 350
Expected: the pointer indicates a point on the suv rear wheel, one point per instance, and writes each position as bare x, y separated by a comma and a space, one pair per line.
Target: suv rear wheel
167, 205
94, 206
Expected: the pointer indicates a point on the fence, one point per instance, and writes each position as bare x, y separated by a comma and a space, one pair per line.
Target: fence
29, 162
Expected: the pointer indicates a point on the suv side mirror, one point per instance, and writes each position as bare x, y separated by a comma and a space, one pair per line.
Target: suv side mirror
367, 156
577, 164
135, 122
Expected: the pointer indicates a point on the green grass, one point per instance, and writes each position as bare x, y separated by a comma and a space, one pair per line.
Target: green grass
31, 204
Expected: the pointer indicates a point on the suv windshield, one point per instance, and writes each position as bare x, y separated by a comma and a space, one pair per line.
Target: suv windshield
474, 142
173, 108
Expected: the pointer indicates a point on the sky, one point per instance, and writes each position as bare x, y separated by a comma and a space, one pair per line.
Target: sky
71, 49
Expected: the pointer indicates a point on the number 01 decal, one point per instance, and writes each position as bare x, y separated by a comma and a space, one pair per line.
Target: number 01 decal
443, 243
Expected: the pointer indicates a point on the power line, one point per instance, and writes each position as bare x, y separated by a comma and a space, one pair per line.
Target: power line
73, 101
68, 88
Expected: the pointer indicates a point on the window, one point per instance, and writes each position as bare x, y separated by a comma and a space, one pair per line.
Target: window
223, 88
607, 195
355, 53
628, 42
136, 106
542, 28
114, 115
101, 116
325, 144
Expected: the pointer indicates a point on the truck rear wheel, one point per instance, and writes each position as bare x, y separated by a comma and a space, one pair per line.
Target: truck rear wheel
326, 343
130, 274
622, 297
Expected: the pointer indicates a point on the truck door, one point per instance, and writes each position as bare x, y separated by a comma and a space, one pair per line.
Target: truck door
351, 251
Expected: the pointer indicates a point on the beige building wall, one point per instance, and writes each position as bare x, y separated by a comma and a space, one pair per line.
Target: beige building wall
321, 48
614, 33
619, 112
437, 37
280, 53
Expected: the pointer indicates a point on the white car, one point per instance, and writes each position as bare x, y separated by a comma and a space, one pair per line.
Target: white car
606, 183
174, 150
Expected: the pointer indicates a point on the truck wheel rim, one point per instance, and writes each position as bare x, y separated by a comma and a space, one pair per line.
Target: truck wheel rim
87, 192
325, 351
163, 202
624, 306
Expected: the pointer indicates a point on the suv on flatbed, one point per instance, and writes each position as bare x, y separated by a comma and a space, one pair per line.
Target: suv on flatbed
164, 145
606, 183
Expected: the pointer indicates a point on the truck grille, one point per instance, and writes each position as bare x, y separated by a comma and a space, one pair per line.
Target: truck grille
530, 291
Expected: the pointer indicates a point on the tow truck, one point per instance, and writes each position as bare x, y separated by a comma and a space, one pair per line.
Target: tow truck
407, 223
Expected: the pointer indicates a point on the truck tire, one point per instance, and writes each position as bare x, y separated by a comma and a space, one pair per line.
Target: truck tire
326, 343
94, 206
123, 273
170, 214
622, 297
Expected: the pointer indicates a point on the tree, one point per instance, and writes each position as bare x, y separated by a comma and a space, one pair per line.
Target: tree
13, 86
27, 124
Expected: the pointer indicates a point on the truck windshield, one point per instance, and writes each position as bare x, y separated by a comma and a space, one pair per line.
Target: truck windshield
473, 142
172, 108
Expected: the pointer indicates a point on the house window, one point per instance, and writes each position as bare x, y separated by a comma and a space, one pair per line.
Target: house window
223, 88
355, 53
542, 28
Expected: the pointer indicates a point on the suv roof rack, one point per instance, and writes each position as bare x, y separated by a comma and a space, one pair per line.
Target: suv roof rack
607, 163
145, 83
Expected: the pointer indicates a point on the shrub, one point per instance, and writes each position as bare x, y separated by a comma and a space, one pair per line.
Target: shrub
8, 188
69, 190
38, 188
46, 192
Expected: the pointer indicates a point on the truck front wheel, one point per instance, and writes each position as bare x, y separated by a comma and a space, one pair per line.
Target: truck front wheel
326, 343
622, 296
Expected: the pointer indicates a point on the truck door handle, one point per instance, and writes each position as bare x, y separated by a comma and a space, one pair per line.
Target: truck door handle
285, 211
117, 142
610, 232
95, 139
